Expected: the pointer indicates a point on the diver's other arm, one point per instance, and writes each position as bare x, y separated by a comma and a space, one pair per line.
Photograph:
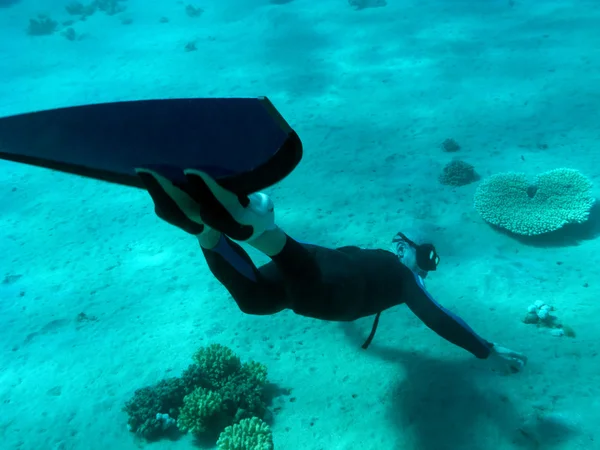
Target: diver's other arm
455, 330
507, 360
444, 323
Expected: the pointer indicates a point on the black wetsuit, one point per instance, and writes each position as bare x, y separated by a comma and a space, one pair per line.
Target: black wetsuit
341, 284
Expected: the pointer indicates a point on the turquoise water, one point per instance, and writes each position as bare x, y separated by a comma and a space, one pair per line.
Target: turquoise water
98, 298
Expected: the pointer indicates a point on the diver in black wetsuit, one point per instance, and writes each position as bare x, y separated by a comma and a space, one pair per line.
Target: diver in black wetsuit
341, 284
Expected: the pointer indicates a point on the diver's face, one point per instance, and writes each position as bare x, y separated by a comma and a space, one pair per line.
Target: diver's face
418, 258
409, 258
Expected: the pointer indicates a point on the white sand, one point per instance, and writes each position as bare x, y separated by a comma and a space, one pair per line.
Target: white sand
372, 94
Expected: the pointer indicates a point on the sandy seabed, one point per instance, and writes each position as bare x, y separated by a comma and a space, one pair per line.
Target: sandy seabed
372, 93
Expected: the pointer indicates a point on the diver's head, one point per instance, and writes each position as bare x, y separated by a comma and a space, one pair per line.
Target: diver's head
419, 258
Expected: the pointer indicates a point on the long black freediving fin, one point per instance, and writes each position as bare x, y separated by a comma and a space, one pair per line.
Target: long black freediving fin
244, 143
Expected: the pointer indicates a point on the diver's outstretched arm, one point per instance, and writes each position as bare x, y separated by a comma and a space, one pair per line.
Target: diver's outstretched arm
443, 322
455, 330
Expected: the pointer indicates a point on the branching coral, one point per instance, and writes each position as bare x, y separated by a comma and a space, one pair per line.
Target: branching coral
202, 411
215, 392
166, 397
217, 362
248, 434
458, 173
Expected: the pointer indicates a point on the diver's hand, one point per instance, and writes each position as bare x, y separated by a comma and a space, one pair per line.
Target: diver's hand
172, 199
506, 360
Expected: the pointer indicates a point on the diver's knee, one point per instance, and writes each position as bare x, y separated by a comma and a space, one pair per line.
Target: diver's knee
248, 308
259, 307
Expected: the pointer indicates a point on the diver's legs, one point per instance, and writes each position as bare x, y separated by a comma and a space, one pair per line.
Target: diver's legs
253, 293
263, 291
242, 217
250, 219
209, 237
201, 207
270, 242
298, 276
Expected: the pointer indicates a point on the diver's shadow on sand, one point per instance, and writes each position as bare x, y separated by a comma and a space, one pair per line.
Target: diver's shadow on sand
442, 407
567, 236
